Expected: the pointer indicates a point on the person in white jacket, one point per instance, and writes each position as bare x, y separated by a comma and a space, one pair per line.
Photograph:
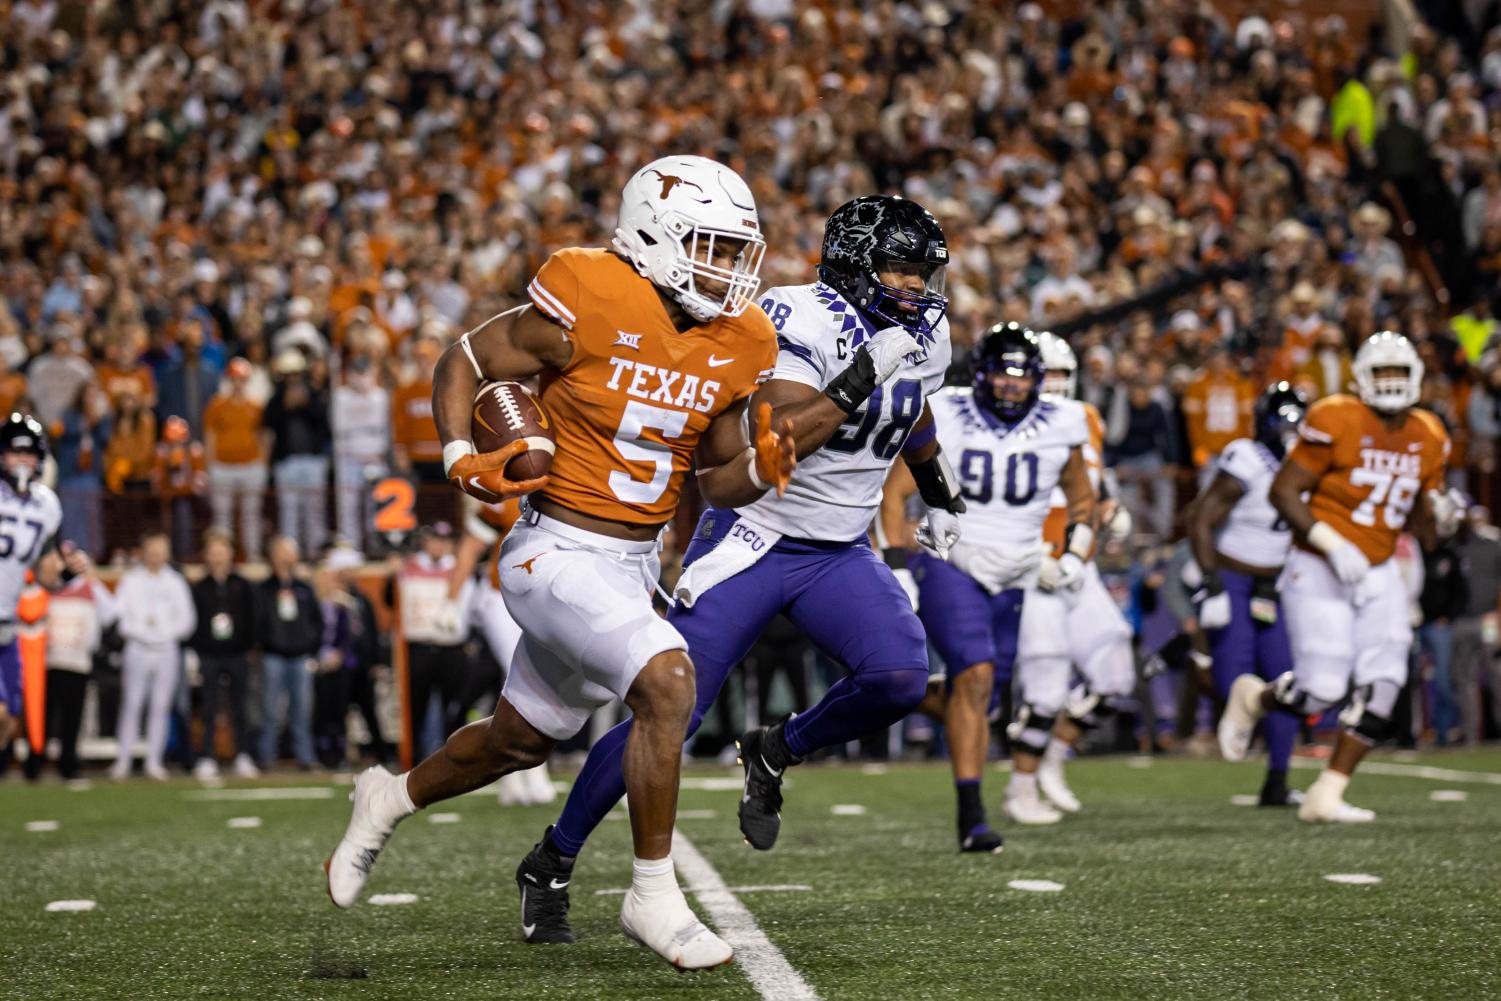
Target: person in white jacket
156, 618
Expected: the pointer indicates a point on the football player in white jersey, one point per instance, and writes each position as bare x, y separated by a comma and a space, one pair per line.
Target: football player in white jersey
860, 352
1240, 543
1012, 447
1063, 631
30, 516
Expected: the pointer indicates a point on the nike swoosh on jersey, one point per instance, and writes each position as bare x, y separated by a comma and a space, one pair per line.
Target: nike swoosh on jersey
718, 362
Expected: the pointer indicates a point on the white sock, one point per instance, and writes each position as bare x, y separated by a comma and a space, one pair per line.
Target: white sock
1057, 752
1023, 784
396, 799
1336, 780
653, 877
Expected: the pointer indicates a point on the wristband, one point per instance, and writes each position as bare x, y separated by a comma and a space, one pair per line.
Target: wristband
894, 557
454, 451
1326, 538
755, 479
1079, 540
852, 387
1212, 583
936, 484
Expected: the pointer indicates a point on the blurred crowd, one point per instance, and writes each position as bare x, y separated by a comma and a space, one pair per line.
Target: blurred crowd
235, 235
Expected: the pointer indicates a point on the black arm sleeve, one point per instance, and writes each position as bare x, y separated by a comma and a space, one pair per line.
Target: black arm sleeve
853, 386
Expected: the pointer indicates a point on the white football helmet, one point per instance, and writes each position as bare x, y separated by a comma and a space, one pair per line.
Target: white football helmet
1389, 394
1061, 377
671, 214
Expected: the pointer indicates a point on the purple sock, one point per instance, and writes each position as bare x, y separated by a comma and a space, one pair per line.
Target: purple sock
600, 785
1281, 732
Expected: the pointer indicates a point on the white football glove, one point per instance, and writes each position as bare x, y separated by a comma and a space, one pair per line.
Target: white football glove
1348, 562
1070, 572
1214, 611
909, 584
938, 532
1119, 524
888, 348
1449, 508
1048, 574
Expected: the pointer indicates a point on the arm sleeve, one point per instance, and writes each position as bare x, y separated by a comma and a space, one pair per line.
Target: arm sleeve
800, 357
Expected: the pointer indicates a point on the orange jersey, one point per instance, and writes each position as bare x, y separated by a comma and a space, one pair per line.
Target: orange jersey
1218, 409
1370, 475
1055, 526
632, 402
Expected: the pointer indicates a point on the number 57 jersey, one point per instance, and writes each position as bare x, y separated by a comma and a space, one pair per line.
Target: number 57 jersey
26, 525
1007, 475
1370, 475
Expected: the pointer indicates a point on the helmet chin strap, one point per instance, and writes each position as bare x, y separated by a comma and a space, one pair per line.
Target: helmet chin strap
23, 479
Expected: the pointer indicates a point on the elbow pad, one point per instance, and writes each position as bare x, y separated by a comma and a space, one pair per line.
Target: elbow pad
936, 484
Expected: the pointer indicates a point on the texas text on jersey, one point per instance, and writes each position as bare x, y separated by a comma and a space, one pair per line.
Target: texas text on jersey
1370, 474
631, 403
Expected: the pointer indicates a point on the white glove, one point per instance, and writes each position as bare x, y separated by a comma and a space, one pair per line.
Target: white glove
1070, 573
909, 584
938, 532
1348, 562
1214, 611
1120, 523
888, 348
996, 569
1449, 508
1048, 575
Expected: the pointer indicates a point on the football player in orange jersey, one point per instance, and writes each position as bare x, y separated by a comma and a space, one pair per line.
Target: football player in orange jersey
648, 354
1371, 467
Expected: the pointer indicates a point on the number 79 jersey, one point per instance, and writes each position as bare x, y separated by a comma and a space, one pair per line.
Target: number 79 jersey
836, 491
26, 525
1370, 475
1007, 476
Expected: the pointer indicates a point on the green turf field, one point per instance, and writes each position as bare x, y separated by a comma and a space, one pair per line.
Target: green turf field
1170, 891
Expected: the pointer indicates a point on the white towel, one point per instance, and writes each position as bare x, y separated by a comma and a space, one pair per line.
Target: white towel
741, 547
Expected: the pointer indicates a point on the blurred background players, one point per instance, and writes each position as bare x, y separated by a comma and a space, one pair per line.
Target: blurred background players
434, 634
32, 515
1240, 543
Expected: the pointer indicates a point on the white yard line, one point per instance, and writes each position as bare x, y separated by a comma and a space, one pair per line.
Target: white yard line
763, 963
1413, 771
260, 794
620, 891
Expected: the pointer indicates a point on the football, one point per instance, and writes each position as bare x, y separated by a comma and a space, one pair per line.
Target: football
504, 412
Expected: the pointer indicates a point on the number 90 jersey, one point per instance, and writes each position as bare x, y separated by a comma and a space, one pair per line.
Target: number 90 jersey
26, 525
631, 403
1007, 476
1370, 475
836, 491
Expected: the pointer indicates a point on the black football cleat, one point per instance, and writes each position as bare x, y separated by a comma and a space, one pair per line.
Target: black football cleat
761, 803
543, 878
1274, 792
982, 840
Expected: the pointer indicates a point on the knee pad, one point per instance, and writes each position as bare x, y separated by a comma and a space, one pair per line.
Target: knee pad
1369, 714
1295, 700
1042, 683
1088, 708
1030, 730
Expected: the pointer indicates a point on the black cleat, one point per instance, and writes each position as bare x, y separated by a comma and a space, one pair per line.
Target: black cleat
761, 803
543, 878
1274, 792
982, 840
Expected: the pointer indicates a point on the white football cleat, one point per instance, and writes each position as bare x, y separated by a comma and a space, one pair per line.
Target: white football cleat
539, 783
245, 767
665, 925
1052, 784
1242, 712
377, 810
513, 790
1324, 802
1029, 809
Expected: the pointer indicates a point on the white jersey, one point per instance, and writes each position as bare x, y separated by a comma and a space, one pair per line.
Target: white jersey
835, 492
1007, 476
1253, 533
26, 525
